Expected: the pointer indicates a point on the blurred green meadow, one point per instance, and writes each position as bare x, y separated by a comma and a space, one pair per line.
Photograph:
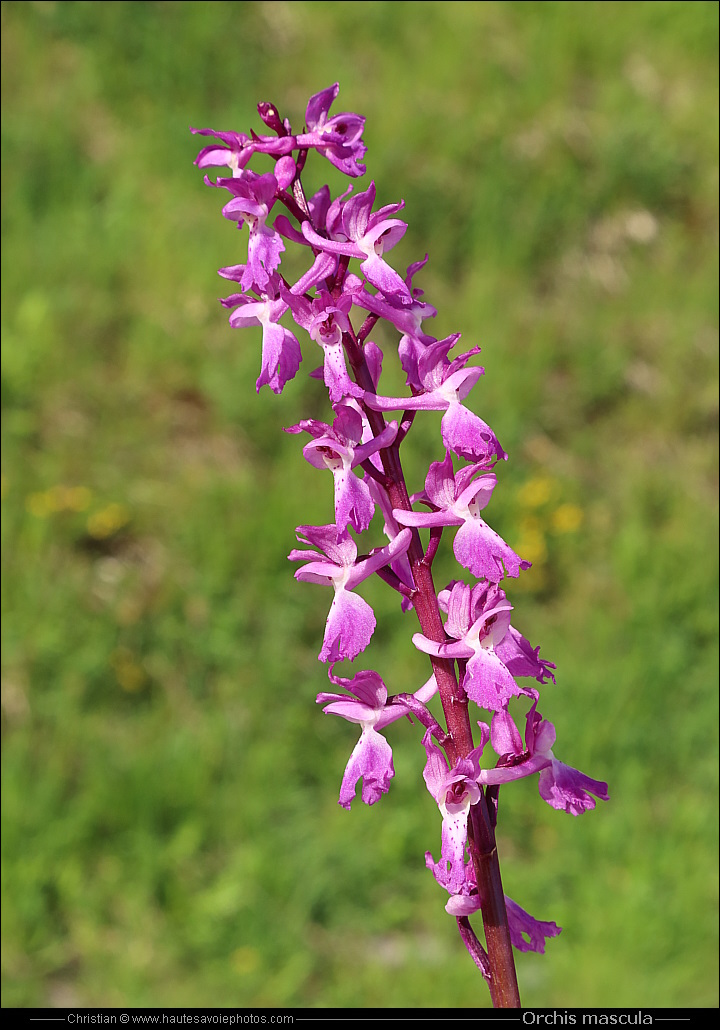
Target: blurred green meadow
171, 833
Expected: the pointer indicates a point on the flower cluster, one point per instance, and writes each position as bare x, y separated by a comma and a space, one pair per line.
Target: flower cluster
477, 655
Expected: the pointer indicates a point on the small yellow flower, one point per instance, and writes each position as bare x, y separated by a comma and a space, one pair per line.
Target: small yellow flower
536, 492
58, 498
78, 498
104, 523
38, 504
567, 518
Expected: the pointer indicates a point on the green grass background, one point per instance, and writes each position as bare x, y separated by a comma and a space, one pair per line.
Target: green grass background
171, 833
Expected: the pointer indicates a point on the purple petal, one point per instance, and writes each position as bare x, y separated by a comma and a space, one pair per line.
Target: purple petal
488, 683
473, 495
568, 790
456, 649
349, 628
371, 759
522, 923
281, 357
319, 105
264, 250
335, 374
331, 246
479, 548
454, 837
349, 708
382, 556
426, 518
323, 573
424, 402
463, 904
353, 503
466, 435
323, 266
521, 659
387, 280
339, 547
506, 739
366, 685
440, 483
457, 602
377, 443
356, 213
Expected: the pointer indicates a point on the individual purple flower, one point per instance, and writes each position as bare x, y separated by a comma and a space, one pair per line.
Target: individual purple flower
445, 384
281, 354
234, 155
371, 758
562, 787
326, 319
339, 448
457, 500
338, 138
253, 198
358, 233
454, 790
351, 621
478, 619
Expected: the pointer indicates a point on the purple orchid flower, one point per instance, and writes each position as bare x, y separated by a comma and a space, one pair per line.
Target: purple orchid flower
253, 198
457, 500
339, 138
358, 233
454, 790
478, 619
562, 787
351, 621
339, 449
371, 758
281, 354
446, 383
326, 319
